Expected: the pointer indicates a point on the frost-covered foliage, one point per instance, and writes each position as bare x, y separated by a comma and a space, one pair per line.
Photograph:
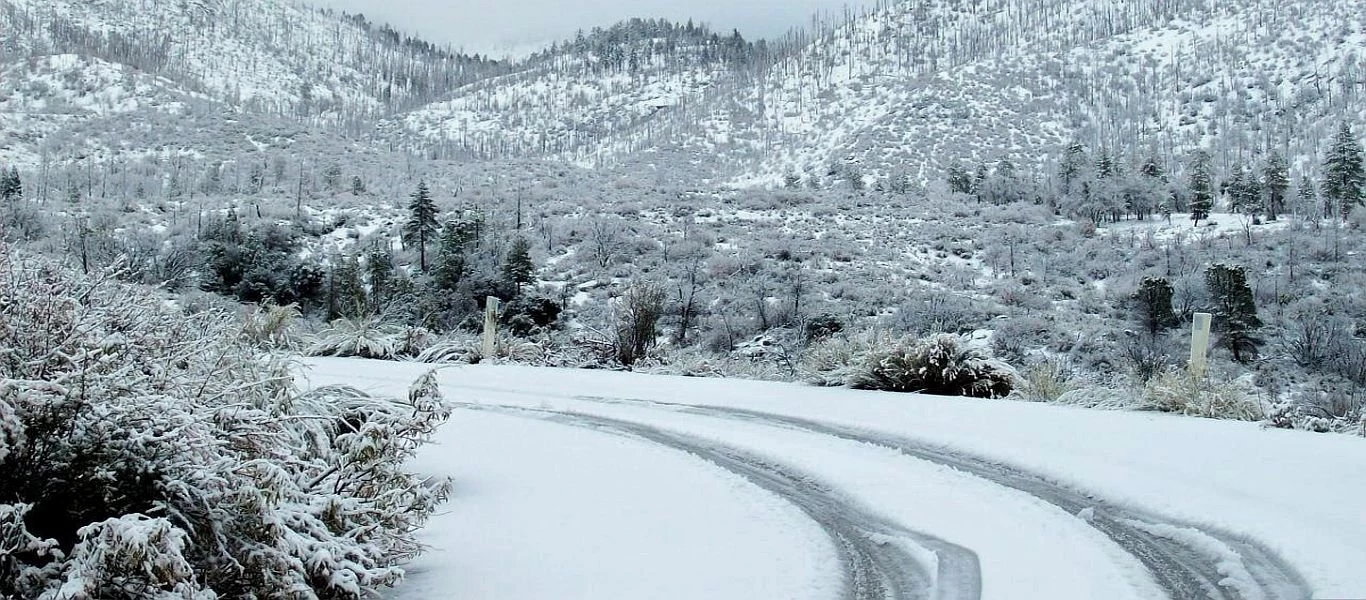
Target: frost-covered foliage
1178, 391
832, 361
361, 337
272, 327
1102, 397
146, 453
1046, 380
943, 364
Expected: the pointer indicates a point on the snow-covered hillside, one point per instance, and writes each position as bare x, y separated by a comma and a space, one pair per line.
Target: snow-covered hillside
270, 56
911, 88
623, 482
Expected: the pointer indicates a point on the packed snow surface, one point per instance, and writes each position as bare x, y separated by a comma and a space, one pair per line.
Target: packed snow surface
564, 490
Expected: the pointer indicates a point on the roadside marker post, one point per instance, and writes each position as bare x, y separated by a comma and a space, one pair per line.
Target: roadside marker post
490, 326
1199, 343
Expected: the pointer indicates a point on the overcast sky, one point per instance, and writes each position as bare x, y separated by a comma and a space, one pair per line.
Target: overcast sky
483, 25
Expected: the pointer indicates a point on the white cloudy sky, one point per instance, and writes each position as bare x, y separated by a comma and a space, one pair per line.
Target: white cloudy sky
482, 25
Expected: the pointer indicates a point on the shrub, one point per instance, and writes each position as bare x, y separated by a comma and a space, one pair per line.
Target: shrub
361, 337
451, 350
1177, 391
832, 361
271, 327
146, 453
1046, 380
943, 365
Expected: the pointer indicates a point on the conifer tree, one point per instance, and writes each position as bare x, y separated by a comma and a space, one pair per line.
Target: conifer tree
1344, 179
379, 268
11, 187
1154, 303
1235, 310
346, 293
1201, 184
1275, 182
421, 226
960, 180
1069, 170
518, 270
458, 238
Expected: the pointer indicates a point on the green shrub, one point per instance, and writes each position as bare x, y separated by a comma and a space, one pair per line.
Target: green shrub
942, 364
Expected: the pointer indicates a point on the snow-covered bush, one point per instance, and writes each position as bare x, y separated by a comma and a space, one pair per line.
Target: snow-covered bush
1178, 391
1109, 397
146, 453
831, 361
272, 327
943, 364
1045, 380
451, 350
362, 337
1332, 405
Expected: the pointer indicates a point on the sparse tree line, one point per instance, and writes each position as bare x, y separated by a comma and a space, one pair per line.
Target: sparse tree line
1100, 187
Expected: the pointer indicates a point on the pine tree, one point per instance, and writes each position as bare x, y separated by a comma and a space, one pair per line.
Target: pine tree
1244, 191
960, 180
1069, 170
1235, 310
1152, 169
11, 187
1201, 184
379, 270
1275, 182
421, 226
346, 293
1154, 303
518, 270
1105, 166
458, 238
1344, 179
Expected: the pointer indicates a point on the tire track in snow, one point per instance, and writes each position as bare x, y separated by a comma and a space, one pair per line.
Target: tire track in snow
1169, 550
874, 564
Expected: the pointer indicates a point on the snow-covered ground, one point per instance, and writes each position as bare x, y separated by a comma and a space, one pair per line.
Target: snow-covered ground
591, 484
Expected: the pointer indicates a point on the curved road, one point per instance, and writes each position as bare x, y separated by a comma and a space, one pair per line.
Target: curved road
1179, 568
874, 563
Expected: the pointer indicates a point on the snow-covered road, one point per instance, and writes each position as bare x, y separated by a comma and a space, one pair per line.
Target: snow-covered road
587, 484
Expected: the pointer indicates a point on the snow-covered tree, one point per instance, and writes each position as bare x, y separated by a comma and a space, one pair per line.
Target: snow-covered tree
1275, 184
1200, 180
1344, 176
422, 225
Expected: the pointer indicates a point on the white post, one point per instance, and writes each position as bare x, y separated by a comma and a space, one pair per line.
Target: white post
490, 327
1199, 343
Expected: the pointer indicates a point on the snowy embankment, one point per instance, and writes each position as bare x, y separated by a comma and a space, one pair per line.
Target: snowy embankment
590, 484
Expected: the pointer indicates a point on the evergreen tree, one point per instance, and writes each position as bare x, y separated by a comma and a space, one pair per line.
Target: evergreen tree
1344, 179
1154, 303
960, 180
458, 238
379, 268
1201, 184
1105, 166
1235, 310
346, 293
1069, 171
1152, 170
11, 187
518, 270
421, 226
1244, 191
1275, 182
